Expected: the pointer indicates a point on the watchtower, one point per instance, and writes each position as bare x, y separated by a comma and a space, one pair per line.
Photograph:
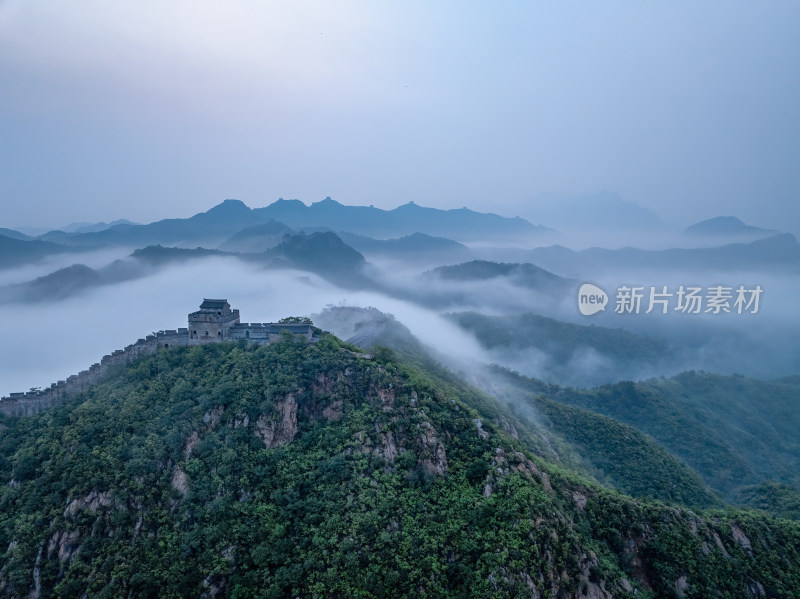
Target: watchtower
212, 322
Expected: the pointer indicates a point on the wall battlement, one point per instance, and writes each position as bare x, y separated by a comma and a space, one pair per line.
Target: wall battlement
223, 325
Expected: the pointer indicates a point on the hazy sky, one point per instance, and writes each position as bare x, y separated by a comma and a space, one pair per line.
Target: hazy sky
152, 109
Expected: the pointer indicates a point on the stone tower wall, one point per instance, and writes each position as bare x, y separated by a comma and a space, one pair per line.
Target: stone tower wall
205, 326
33, 402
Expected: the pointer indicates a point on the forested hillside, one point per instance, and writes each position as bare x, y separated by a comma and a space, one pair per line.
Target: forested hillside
317, 470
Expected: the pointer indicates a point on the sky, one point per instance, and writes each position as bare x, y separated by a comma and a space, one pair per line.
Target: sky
147, 110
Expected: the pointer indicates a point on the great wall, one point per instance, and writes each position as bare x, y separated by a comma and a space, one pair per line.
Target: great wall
214, 322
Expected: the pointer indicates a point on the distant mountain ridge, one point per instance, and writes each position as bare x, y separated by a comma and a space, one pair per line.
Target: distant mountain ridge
779, 252
216, 224
416, 245
322, 253
19, 251
232, 216
13, 234
526, 275
460, 224
726, 227
601, 210
258, 238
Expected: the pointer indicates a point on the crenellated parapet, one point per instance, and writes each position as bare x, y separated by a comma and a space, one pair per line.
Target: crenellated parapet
33, 402
214, 322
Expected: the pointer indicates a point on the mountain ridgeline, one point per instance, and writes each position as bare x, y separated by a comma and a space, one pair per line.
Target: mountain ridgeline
227, 219
318, 470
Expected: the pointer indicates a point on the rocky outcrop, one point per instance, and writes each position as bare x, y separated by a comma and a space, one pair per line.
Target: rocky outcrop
279, 428
180, 482
91, 503
435, 459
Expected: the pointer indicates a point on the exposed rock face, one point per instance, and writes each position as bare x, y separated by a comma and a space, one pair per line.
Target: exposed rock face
435, 460
213, 416
719, 544
579, 499
63, 544
588, 588
180, 482
479, 425
741, 538
92, 502
387, 398
190, 444
333, 411
636, 561
280, 428
680, 586
388, 447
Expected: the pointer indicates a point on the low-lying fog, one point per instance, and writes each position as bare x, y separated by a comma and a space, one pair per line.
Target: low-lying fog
45, 342
92, 259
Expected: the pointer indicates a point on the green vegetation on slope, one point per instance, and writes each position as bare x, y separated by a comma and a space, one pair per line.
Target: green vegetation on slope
774, 498
309, 470
624, 457
595, 445
733, 431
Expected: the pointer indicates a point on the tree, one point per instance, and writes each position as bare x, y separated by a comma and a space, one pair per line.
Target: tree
295, 320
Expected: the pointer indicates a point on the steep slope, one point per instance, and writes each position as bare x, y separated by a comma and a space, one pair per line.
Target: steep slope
581, 440
736, 434
733, 431
296, 470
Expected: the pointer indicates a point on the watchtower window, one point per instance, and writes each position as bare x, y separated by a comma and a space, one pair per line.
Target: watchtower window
219, 313
247, 333
219, 333
206, 333
194, 332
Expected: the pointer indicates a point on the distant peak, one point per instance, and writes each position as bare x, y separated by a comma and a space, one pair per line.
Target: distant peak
327, 202
230, 206
283, 202
729, 220
411, 205
725, 225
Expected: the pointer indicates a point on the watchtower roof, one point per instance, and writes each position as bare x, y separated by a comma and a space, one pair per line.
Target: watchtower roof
214, 304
